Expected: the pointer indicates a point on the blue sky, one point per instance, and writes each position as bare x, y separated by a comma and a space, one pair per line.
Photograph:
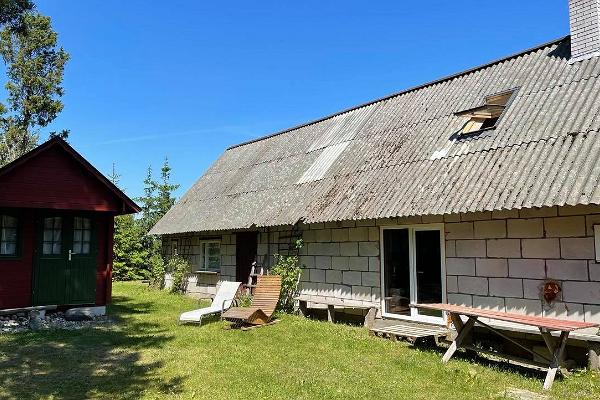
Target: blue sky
186, 79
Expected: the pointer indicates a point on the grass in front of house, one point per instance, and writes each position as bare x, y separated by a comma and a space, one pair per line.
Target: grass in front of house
147, 355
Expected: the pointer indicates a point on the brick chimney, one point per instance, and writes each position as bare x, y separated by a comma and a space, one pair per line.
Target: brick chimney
584, 16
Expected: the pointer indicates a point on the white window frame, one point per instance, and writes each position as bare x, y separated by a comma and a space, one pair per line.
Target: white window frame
203, 245
414, 313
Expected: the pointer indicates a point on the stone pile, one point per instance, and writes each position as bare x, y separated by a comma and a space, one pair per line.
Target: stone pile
35, 320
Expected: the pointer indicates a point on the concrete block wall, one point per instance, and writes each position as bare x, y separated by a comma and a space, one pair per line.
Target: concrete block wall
501, 260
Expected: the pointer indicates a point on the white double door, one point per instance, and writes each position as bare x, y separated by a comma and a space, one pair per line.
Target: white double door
413, 270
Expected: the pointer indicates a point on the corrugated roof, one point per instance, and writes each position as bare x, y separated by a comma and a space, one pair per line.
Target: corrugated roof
403, 157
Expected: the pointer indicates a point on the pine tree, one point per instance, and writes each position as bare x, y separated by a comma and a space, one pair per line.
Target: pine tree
34, 68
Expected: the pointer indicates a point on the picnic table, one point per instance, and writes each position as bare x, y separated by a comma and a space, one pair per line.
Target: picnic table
546, 326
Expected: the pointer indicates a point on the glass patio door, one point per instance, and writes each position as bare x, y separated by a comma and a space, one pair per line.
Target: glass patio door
413, 271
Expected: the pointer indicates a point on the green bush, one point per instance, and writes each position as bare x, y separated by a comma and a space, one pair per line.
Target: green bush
157, 271
288, 267
179, 269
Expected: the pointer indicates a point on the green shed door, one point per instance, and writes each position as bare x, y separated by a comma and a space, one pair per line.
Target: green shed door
65, 267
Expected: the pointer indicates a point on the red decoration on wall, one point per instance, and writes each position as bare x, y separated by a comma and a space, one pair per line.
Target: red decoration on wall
551, 290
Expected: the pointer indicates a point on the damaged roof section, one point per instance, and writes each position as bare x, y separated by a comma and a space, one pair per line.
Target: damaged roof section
402, 156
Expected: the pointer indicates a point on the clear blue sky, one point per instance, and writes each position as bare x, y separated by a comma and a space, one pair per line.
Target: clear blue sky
186, 79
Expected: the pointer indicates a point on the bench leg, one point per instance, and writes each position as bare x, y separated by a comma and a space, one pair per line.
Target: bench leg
302, 307
557, 357
330, 313
463, 332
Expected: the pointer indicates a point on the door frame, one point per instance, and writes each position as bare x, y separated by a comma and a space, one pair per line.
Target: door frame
414, 313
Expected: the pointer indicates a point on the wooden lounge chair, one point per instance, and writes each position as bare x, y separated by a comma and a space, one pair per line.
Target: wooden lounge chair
264, 302
222, 301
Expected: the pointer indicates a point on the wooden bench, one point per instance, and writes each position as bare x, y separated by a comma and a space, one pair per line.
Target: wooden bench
545, 326
331, 303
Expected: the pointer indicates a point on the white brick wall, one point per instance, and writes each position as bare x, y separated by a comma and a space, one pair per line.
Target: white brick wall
523, 249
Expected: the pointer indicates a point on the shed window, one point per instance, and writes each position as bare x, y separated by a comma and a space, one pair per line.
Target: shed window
8, 235
82, 235
52, 236
210, 255
487, 115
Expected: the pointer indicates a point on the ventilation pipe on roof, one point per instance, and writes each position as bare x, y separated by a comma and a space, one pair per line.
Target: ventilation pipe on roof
584, 17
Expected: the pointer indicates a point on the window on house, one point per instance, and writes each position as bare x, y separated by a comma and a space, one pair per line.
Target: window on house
487, 115
8, 235
210, 255
52, 236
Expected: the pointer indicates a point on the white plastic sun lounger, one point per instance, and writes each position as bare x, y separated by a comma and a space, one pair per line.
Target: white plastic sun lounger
222, 301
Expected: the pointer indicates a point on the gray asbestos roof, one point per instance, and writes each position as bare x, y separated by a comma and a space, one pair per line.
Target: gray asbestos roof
400, 156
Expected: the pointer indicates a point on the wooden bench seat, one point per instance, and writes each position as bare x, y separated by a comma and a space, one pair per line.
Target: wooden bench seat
331, 303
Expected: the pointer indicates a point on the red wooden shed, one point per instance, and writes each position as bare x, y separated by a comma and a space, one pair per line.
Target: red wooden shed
56, 229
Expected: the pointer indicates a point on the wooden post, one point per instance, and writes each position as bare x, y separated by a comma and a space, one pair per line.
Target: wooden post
557, 357
330, 313
302, 307
463, 332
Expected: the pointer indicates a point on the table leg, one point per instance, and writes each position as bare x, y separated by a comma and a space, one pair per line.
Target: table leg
302, 307
557, 356
462, 333
330, 313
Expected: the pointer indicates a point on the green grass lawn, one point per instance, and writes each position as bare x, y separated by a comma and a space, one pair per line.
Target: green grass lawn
147, 355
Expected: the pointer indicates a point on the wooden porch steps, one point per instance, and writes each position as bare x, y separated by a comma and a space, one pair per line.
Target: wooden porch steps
407, 330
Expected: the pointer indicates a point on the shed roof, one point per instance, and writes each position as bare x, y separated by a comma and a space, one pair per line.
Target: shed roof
55, 176
401, 155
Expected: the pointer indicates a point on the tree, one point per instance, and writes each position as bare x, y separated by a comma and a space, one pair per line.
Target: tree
34, 67
12, 10
165, 188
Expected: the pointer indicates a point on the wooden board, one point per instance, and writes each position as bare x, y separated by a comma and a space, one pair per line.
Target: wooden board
411, 331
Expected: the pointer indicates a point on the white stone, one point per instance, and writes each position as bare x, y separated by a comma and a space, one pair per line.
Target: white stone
324, 249
460, 299
340, 263
564, 226
339, 235
460, 230
594, 269
307, 261
532, 288
489, 303
368, 249
575, 270
592, 313
370, 279
476, 216
490, 229
374, 264
581, 292
526, 268
504, 248
360, 234
525, 228
333, 276
494, 267
351, 278
472, 285
452, 284
323, 235
317, 275
504, 214
470, 248
506, 287
450, 248
562, 310
540, 248
373, 234
349, 249
460, 266
538, 212
323, 262
361, 293
524, 306
358, 263
577, 248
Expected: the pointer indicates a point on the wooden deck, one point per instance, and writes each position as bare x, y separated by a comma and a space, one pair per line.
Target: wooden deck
407, 330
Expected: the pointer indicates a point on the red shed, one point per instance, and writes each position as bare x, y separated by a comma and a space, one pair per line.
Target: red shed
56, 229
